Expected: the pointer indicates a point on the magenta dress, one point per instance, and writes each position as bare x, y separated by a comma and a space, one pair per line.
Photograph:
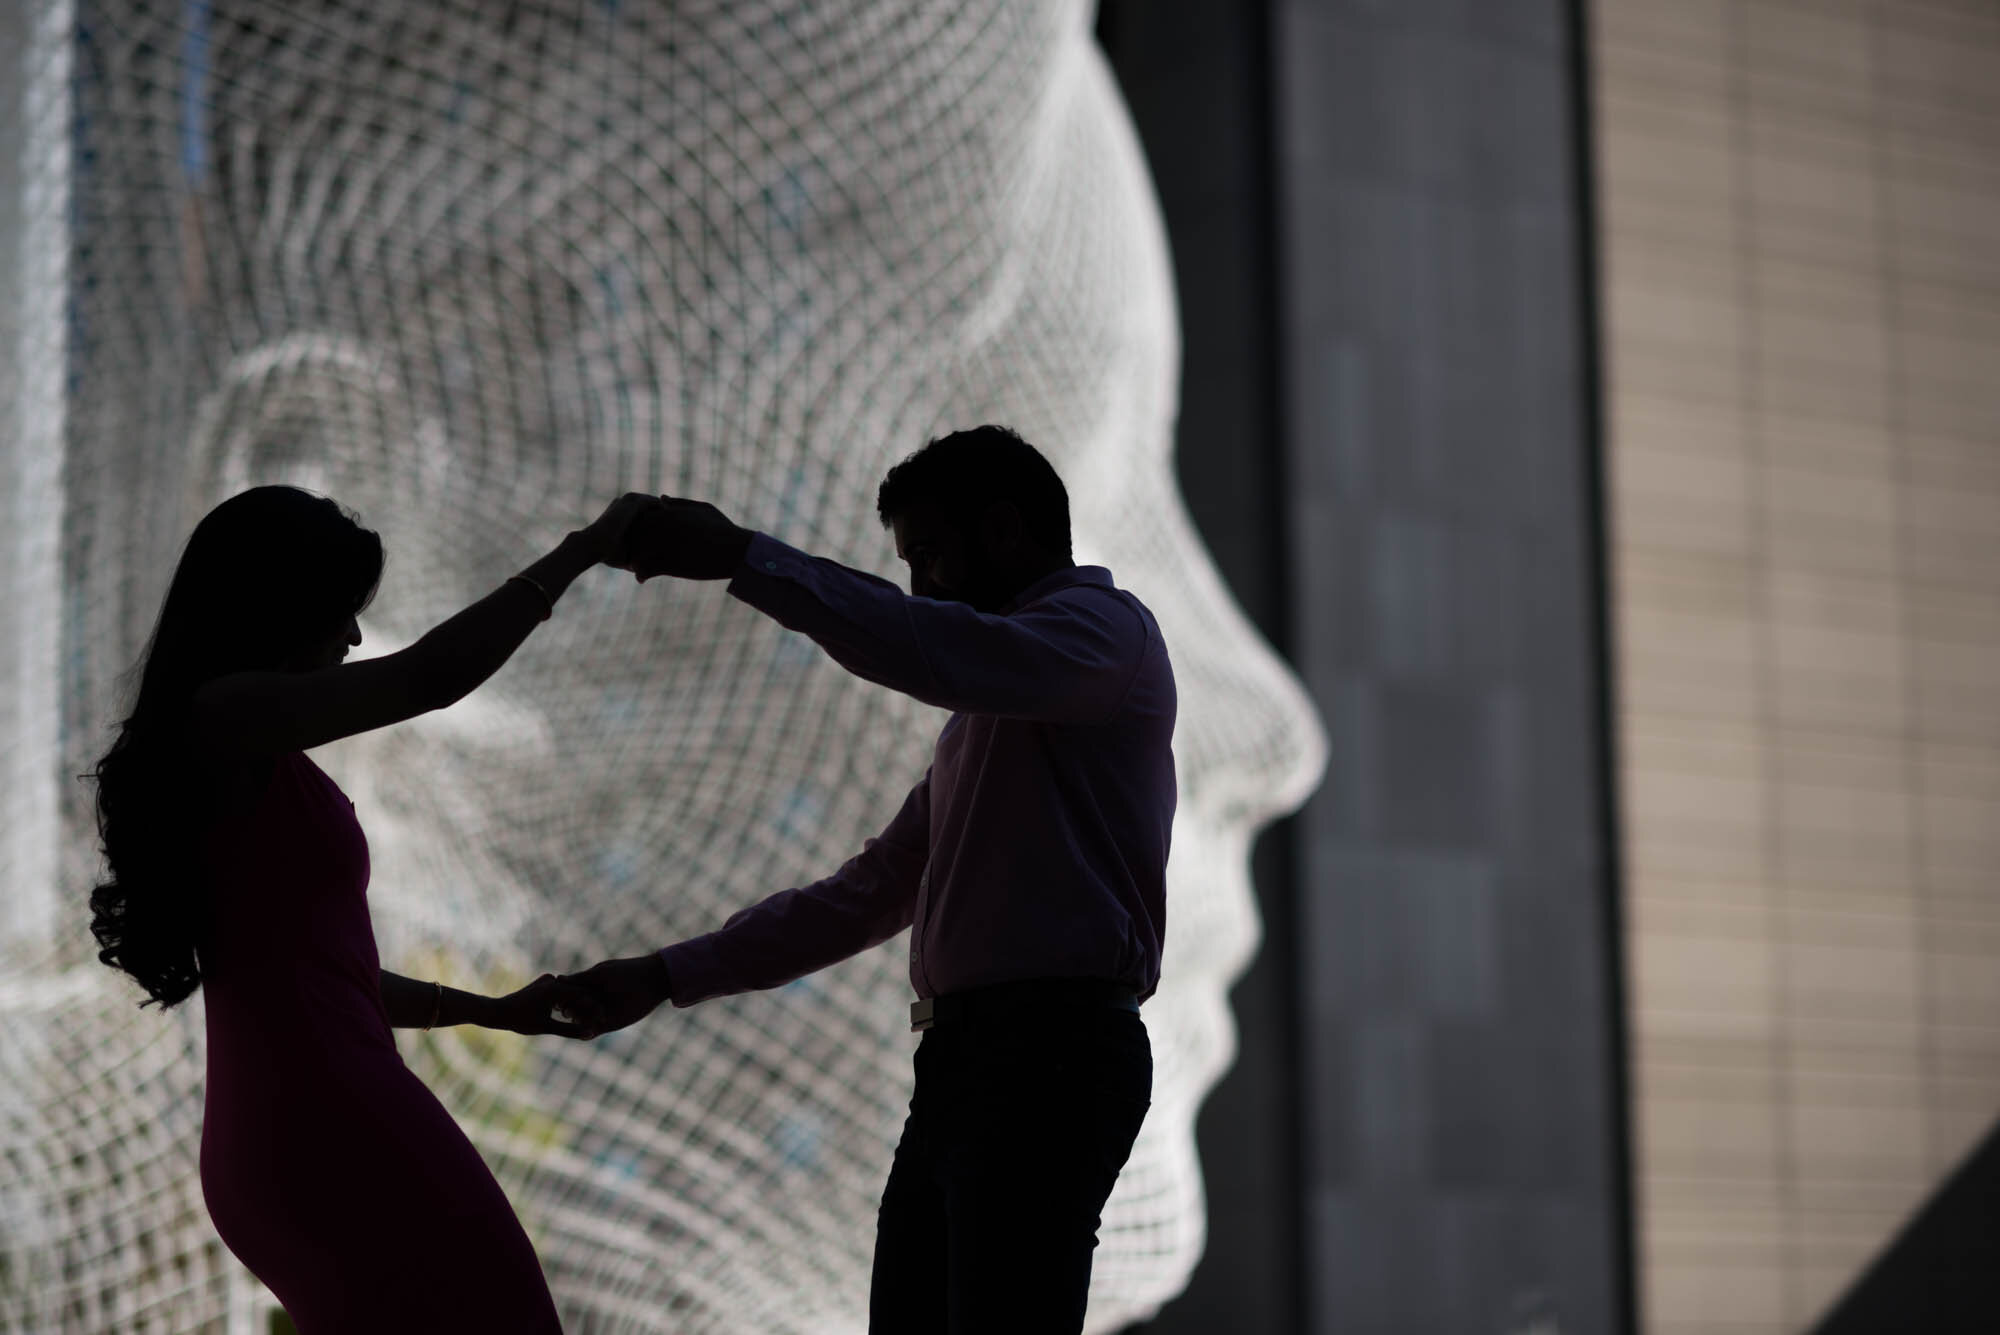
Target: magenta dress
329, 1169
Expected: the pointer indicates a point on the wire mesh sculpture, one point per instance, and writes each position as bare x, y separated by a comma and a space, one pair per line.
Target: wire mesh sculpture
470, 268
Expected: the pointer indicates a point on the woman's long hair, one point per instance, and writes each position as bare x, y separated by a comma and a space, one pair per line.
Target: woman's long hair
265, 576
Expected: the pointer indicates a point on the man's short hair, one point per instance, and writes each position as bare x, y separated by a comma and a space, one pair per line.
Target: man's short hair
966, 471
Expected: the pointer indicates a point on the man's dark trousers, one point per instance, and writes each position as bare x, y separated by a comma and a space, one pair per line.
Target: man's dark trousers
1018, 1127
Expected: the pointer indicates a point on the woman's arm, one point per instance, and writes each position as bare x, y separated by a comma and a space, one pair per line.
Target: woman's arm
413, 1004
271, 712
418, 1005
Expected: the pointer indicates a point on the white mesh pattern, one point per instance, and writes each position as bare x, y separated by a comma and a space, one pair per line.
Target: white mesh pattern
472, 270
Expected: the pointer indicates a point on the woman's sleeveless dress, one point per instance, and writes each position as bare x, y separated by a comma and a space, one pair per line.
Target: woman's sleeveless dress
329, 1169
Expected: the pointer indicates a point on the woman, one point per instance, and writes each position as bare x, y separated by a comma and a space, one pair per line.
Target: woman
237, 865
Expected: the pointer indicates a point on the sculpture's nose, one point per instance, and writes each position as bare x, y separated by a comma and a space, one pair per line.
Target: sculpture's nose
1248, 746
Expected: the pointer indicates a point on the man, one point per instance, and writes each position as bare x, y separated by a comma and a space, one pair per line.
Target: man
1030, 861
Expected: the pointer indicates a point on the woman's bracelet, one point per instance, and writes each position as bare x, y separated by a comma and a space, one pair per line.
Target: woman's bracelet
536, 585
437, 1007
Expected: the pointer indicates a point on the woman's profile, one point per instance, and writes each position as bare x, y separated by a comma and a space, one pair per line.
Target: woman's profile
237, 866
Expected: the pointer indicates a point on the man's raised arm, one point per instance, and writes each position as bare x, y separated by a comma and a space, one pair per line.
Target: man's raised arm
1068, 658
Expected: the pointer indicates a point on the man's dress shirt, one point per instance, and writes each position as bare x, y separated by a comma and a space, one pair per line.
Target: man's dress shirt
1035, 846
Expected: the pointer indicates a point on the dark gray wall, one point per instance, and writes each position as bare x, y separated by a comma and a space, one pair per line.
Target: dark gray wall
1461, 1112
1388, 439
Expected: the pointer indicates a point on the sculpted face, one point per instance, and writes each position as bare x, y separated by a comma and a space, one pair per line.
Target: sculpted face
473, 276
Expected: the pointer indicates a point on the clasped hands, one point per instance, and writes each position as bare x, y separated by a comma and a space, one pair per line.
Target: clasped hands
666, 535
604, 997
607, 997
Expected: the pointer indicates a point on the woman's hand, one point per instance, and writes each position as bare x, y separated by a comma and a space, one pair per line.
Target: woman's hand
606, 534
683, 538
549, 1005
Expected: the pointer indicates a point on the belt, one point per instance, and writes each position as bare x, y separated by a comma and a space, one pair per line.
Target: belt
1043, 994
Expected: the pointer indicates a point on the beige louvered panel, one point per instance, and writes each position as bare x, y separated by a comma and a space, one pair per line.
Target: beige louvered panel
1802, 299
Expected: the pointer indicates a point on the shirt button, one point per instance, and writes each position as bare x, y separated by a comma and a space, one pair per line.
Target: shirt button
770, 565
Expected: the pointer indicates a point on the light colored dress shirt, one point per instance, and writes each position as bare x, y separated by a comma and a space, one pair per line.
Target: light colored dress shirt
1035, 846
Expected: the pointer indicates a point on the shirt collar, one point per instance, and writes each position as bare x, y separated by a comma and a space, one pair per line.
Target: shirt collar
1097, 576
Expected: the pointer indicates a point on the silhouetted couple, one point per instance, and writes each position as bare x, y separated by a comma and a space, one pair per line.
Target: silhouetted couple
1029, 860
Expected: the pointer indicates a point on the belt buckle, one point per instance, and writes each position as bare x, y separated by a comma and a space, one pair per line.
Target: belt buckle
923, 1014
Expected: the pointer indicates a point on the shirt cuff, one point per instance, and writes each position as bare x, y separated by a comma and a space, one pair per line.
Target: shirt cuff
766, 566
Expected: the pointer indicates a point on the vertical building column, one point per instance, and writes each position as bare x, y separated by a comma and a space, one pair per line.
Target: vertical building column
1457, 959
36, 38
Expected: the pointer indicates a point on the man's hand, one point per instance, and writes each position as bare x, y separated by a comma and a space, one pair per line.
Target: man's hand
617, 993
606, 534
687, 539
549, 1005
